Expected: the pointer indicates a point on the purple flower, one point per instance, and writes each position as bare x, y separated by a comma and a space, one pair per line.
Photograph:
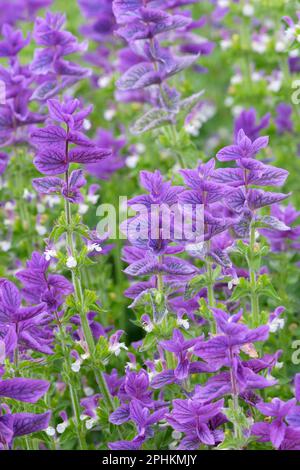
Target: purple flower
247, 120
49, 65
30, 323
26, 390
195, 420
42, 287
280, 240
12, 43
105, 168
244, 148
54, 156
283, 119
276, 430
21, 424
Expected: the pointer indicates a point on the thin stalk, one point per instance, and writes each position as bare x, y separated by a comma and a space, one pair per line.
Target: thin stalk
79, 297
234, 393
254, 296
72, 388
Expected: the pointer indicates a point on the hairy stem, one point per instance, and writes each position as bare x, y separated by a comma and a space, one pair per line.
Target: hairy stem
252, 273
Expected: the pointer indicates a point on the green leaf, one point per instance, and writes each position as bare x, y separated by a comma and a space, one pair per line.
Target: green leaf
152, 120
194, 286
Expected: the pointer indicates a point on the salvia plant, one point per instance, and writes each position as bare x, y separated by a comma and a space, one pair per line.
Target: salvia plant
150, 225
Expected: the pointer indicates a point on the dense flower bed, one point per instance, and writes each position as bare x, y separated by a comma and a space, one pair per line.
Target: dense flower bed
150, 233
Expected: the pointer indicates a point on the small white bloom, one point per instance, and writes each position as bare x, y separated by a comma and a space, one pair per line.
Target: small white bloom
50, 254
140, 148
223, 3
28, 195
276, 324
83, 208
61, 427
87, 124
176, 435
94, 247
9, 206
104, 81
131, 366
116, 348
279, 365
41, 230
256, 77
109, 114
71, 262
5, 245
52, 201
92, 198
235, 79
84, 356
76, 366
229, 101
225, 44
184, 323
90, 423
148, 328
234, 282
50, 431
40, 208
132, 161
280, 46
88, 391
248, 10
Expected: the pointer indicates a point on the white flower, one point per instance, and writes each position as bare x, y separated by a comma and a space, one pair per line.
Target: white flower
236, 79
41, 230
89, 391
92, 198
109, 114
84, 356
71, 262
61, 427
131, 366
148, 328
229, 101
223, 3
276, 324
40, 208
248, 10
76, 366
50, 254
52, 201
132, 161
87, 124
140, 148
5, 245
116, 347
176, 435
94, 247
83, 208
234, 282
104, 81
184, 323
90, 423
279, 365
225, 44
50, 431
28, 195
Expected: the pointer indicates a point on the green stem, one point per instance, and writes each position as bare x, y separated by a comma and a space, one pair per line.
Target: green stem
234, 394
254, 296
72, 388
79, 297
